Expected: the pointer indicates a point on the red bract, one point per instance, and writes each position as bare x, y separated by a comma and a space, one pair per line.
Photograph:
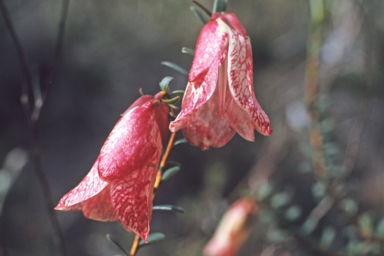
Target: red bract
219, 99
232, 230
120, 183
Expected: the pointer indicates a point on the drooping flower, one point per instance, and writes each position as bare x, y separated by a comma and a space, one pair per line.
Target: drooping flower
120, 183
232, 230
219, 99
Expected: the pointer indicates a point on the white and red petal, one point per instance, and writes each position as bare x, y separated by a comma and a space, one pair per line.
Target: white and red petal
139, 102
87, 188
99, 207
211, 50
209, 128
241, 82
132, 198
130, 145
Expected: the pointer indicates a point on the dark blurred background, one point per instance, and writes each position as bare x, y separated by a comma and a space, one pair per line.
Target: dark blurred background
112, 48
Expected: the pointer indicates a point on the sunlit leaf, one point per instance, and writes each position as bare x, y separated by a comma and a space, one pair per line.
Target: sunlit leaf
154, 237
173, 106
180, 141
169, 169
117, 243
175, 67
164, 84
169, 208
188, 51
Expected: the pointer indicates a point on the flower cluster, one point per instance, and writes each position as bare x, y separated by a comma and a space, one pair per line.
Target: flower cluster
218, 102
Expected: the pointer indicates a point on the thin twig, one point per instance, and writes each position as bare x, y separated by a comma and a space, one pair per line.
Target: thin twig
202, 7
32, 119
312, 86
26, 83
56, 59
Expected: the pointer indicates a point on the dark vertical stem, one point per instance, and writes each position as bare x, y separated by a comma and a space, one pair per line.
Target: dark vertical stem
32, 116
312, 86
27, 79
56, 58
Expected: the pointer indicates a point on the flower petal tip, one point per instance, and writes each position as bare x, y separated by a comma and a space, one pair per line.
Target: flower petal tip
269, 131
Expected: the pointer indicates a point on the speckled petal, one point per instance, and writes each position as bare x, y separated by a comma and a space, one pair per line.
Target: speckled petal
241, 81
132, 197
99, 207
130, 145
209, 128
211, 50
162, 120
87, 188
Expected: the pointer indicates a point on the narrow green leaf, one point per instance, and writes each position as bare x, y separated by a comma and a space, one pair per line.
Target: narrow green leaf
268, 217
172, 101
380, 228
318, 189
199, 15
170, 172
177, 92
168, 207
173, 106
277, 235
168, 165
279, 200
220, 6
175, 67
365, 224
154, 237
308, 226
264, 191
180, 141
164, 84
327, 237
114, 240
188, 51
292, 213
349, 206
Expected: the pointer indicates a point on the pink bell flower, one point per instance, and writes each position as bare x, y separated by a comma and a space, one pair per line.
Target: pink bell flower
232, 230
120, 183
219, 99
